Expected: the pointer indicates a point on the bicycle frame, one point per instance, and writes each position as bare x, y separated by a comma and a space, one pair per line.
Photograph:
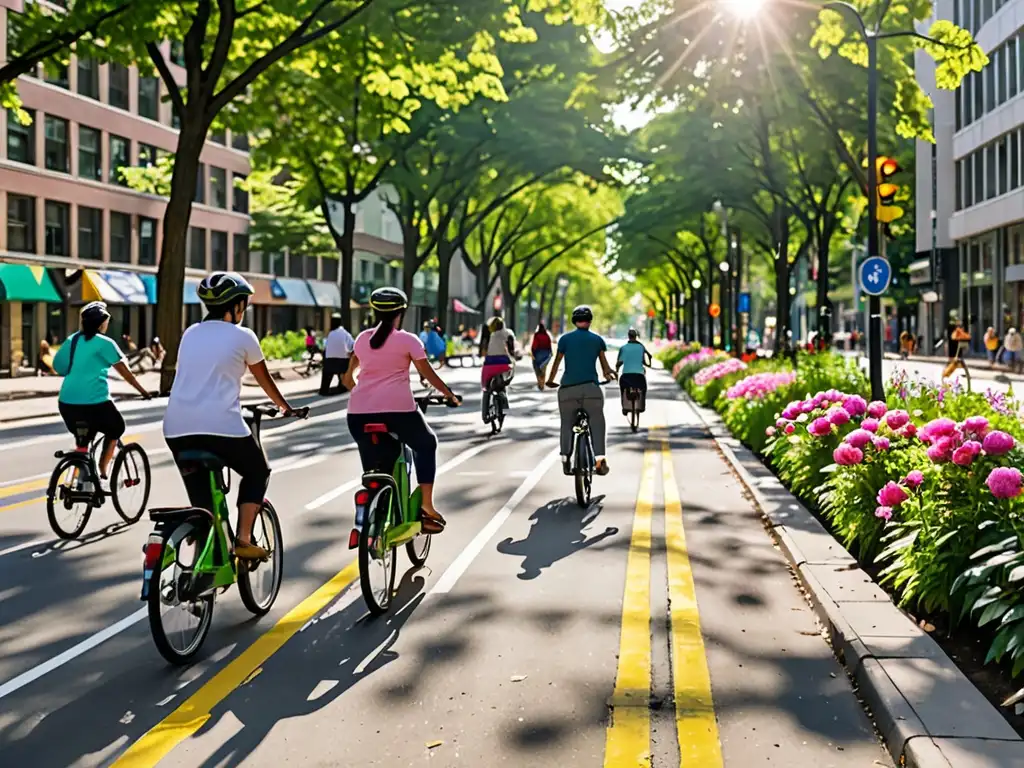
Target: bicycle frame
581, 429
409, 501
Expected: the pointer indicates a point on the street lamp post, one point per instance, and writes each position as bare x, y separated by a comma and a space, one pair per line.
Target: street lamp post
563, 286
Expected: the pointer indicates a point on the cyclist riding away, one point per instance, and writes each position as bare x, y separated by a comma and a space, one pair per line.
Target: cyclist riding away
501, 348
204, 412
633, 358
383, 394
85, 360
581, 349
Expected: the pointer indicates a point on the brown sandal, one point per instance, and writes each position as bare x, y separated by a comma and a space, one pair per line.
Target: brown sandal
432, 522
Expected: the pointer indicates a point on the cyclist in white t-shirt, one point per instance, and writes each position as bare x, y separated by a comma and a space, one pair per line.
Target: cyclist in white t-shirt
204, 412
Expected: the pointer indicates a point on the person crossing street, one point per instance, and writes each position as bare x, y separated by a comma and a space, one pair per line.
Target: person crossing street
337, 351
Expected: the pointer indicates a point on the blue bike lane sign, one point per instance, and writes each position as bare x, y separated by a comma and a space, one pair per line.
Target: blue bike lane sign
875, 274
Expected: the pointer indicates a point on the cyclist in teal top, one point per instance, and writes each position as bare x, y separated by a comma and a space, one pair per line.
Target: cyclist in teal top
633, 358
85, 360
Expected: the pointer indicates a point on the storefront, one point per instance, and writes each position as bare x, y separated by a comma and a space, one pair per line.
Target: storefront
26, 295
298, 308
328, 301
126, 295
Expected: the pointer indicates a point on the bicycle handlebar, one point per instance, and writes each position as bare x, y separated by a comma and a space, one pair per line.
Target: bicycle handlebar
424, 400
549, 385
271, 411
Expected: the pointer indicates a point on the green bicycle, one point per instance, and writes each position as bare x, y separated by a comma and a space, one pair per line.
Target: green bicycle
387, 516
188, 556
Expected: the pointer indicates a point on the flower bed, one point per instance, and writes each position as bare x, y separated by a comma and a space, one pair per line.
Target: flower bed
926, 486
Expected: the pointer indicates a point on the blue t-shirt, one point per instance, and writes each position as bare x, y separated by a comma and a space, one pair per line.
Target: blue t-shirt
580, 349
86, 383
631, 355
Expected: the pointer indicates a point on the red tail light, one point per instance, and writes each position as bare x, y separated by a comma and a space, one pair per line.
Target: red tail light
152, 554
373, 485
353, 538
362, 498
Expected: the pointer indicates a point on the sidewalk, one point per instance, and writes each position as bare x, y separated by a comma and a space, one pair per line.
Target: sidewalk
979, 366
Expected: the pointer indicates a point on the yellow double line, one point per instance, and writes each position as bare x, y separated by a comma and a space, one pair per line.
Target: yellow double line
628, 738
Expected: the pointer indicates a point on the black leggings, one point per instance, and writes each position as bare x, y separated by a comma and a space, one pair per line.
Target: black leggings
84, 421
242, 455
411, 429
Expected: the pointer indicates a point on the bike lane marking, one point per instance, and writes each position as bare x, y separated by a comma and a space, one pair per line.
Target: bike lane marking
628, 737
188, 718
696, 726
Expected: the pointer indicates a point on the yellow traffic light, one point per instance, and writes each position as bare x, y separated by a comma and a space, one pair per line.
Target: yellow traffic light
886, 191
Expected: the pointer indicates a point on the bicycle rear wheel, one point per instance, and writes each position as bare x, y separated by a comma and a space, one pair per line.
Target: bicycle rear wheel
584, 473
67, 506
634, 418
377, 566
178, 620
260, 581
130, 482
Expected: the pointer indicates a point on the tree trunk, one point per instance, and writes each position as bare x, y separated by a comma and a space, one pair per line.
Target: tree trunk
782, 270
512, 311
171, 272
444, 268
348, 260
824, 324
543, 301
410, 256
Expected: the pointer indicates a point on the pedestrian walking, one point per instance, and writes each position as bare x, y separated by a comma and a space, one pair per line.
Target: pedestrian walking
1013, 343
540, 350
991, 339
337, 351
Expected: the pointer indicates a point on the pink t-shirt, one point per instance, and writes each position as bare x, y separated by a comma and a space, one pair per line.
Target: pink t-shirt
383, 385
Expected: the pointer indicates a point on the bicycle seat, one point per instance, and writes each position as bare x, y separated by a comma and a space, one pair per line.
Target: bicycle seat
202, 457
177, 514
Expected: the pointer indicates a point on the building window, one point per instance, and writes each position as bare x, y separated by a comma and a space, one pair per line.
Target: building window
21, 139
968, 98
218, 251
90, 233
957, 190
218, 187
120, 152
990, 171
197, 247
90, 154
240, 141
1015, 159
219, 137
56, 131
177, 53
117, 94
1003, 162
294, 265
239, 197
55, 74
120, 237
990, 87
21, 223
200, 196
147, 155
240, 258
979, 178
999, 62
88, 78
147, 241
58, 218
979, 95
975, 15
1011, 63
149, 97
330, 267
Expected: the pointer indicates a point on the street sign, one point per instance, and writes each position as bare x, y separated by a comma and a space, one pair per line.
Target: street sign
875, 274
743, 304
714, 310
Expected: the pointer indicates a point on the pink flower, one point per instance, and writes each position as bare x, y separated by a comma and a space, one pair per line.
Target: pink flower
855, 405
1004, 482
770, 431
820, 427
937, 428
877, 409
976, 424
914, 478
880, 443
780, 423
859, 438
936, 454
837, 416
896, 419
792, 410
871, 425
891, 495
790, 429
908, 431
963, 456
997, 443
884, 512
974, 446
846, 454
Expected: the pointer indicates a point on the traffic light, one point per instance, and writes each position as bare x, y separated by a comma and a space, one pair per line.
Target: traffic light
886, 190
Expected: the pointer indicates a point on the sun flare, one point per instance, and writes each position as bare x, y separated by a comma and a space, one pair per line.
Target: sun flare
744, 9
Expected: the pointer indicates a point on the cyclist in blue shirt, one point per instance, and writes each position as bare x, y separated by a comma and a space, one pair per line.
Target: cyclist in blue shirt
581, 349
85, 360
633, 358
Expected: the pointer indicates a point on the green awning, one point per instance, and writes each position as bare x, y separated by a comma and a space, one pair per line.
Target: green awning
20, 282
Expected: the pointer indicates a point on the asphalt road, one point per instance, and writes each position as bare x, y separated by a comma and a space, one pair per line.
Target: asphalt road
658, 627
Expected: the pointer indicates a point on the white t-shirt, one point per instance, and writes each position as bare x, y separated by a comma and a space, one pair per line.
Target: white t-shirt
213, 357
497, 345
339, 343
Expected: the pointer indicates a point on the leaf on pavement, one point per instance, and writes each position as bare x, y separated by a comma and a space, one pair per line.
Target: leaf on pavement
434, 744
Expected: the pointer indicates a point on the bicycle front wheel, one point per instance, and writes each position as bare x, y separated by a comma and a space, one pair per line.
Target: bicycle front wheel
130, 481
68, 500
259, 581
179, 620
634, 419
377, 567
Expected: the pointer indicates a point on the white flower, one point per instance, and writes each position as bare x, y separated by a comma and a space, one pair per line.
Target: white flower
802, 418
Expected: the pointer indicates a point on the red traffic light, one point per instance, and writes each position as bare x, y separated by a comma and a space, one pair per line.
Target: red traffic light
651, 313
887, 166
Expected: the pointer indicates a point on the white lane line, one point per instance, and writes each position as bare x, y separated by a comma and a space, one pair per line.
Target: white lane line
71, 653
469, 554
26, 545
25, 479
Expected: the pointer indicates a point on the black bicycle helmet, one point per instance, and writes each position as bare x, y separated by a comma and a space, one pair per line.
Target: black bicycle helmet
388, 299
582, 314
221, 288
95, 313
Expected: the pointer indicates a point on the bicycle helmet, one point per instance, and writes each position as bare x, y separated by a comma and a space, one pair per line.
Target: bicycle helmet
582, 314
222, 288
388, 300
95, 313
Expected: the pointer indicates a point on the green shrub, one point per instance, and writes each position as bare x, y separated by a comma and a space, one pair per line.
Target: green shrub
290, 345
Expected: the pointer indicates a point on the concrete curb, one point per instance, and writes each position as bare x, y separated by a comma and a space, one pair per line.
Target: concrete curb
928, 712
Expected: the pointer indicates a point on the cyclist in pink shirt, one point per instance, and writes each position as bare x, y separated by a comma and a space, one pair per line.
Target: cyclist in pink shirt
383, 394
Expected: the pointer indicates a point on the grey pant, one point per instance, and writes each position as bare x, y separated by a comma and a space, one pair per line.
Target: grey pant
589, 397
